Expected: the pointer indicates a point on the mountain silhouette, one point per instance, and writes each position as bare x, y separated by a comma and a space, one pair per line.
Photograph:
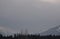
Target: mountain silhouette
52, 31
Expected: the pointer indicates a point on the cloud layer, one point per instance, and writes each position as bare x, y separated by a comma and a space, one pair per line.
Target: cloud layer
51, 1
35, 15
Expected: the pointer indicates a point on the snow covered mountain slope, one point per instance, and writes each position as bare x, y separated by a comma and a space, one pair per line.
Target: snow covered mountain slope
52, 31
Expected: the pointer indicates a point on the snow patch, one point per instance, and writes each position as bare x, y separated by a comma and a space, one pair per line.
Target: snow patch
58, 29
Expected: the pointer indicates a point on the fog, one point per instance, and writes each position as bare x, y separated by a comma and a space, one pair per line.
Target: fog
34, 15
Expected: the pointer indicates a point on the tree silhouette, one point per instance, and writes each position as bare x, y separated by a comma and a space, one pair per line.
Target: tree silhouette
29, 36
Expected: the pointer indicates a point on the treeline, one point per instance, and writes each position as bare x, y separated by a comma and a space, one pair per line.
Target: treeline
19, 36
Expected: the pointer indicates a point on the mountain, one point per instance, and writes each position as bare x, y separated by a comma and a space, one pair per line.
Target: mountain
52, 31
6, 31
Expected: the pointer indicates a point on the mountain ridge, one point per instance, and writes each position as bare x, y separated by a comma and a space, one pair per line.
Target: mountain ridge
52, 31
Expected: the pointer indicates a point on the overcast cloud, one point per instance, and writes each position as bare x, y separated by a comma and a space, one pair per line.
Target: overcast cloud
35, 15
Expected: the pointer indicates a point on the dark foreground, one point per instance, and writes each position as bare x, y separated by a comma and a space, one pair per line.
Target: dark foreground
19, 36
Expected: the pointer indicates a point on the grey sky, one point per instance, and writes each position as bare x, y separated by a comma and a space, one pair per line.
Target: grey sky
35, 15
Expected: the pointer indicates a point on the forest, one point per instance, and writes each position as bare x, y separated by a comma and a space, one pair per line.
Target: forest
29, 36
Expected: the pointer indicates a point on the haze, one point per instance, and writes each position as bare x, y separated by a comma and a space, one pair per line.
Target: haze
34, 15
